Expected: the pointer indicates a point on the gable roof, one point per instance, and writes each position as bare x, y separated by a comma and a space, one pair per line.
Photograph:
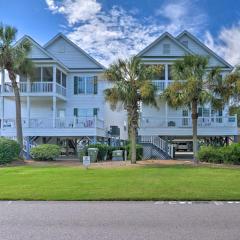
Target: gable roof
49, 55
166, 34
196, 40
60, 35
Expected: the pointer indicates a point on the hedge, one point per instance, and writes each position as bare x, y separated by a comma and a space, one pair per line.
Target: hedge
9, 150
45, 152
228, 154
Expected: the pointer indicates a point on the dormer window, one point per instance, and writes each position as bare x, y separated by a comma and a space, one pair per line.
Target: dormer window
166, 48
185, 43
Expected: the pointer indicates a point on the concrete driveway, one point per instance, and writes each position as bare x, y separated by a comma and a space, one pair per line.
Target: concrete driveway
119, 220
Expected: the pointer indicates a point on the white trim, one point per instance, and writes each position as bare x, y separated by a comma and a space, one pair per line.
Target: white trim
166, 34
196, 40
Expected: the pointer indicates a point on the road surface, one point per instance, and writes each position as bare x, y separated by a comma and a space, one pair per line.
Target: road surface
119, 220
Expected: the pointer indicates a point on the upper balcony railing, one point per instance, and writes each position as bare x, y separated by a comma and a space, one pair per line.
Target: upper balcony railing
161, 85
186, 122
35, 87
62, 123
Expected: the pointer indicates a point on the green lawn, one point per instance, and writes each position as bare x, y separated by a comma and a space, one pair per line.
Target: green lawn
133, 183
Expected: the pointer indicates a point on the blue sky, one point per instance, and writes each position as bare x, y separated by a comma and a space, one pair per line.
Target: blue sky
112, 28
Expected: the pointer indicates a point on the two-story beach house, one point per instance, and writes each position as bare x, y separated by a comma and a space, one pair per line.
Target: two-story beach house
64, 102
159, 127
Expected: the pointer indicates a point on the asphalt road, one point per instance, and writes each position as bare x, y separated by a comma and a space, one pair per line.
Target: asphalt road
119, 220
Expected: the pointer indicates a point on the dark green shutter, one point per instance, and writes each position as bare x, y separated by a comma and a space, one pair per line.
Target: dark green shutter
95, 111
75, 85
75, 112
95, 85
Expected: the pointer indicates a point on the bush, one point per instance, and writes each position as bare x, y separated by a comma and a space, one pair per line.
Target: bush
45, 152
210, 154
228, 154
9, 150
139, 150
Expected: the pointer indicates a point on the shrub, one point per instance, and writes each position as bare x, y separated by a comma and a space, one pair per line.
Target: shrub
210, 154
9, 150
45, 152
102, 150
139, 150
228, 154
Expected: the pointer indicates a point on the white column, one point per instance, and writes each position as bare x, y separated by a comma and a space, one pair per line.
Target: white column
166, 75
3, 80
2, 98
54, 110
166, 113
54, 78
28, 111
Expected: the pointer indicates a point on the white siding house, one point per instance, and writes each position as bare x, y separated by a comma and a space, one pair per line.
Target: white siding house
64, 101
167, 124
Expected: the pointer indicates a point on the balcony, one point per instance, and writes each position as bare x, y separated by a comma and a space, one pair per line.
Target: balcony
213, 125
161, 85
81, 126
35, 89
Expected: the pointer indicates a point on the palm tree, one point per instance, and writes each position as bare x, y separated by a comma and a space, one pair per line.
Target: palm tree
132, 85
196, 89
13, 58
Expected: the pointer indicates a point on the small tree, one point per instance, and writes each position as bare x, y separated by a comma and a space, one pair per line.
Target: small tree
193, 85
14, 60
132, 85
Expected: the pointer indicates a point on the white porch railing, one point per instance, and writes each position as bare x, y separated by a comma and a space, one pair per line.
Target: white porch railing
159, 143
186, 122
161, 85
80, 122
35, 87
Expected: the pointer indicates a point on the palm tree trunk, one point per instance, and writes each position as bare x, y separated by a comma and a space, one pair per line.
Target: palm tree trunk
194, 130
133, 145
19, 132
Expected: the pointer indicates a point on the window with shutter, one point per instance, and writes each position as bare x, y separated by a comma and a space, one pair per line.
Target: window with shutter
75, 112
95, 85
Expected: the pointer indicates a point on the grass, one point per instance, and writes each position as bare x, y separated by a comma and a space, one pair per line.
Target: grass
132, 183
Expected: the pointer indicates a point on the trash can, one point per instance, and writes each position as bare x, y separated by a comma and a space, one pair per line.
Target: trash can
93, 152
81, 153
117, 155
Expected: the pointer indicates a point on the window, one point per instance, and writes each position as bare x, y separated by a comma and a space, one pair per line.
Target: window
85, 112
90, 84
161, 75
58, 76
170, 77
23, 78
185, 43
85, 85
47, 74
166, 48
203, 112
64, 78
37, 75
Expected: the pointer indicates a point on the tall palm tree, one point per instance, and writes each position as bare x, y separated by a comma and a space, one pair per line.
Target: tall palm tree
132, 85
13, 58
196, 89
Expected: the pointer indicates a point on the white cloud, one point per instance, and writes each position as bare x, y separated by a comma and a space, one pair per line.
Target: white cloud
75, 10
227, 44
118, 33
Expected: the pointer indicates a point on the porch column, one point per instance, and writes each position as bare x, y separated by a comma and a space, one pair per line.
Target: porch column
166, 114
54, 110
54, 78
2, 111
2, 98
28, 111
